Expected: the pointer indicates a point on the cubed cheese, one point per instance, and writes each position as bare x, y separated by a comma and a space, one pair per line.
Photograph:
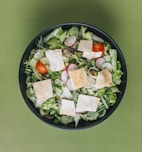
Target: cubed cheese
104, 79
85, 45
43, 91
78, 78
87, 103
67, 108
55, 59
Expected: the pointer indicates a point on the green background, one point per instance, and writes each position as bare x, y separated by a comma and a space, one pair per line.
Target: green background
20, 21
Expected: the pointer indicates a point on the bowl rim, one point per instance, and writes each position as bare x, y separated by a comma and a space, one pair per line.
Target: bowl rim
44, 33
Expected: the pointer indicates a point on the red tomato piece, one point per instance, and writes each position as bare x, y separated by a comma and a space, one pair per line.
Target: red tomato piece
97, 47
41, 68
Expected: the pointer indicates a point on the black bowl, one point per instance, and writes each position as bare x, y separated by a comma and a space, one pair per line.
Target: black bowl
82, 124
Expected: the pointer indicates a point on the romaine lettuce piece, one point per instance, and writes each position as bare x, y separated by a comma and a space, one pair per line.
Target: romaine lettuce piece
112, 98
111, 95
111, 90
113, 54
89, 116
100, 92
50, 107
66, 119
55, 43
73, 31
86, 34
63, 36
55, 33
31, 95
117, 76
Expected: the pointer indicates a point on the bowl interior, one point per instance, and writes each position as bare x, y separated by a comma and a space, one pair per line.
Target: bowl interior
82, 124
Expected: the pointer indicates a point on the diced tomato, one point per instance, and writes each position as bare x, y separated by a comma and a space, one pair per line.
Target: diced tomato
41, 68
97, 47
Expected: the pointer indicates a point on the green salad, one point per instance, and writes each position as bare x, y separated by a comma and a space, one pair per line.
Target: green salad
72, 75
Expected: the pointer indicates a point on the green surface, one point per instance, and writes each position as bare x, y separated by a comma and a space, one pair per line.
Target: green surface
20, 21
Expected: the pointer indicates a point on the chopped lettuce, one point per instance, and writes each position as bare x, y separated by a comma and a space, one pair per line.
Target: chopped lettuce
58, 91
55, 43
118, 65
113, 54
75, 96
107, 46
89, 116
39, 54
112, 90
86, 34
63, 36
73, 31
58, 82
55, 33
117, 76
30, 95
112, 98
33, 62
111, 95
50, 108
54, 75
40, 43
104, 101
66, 119
100, 92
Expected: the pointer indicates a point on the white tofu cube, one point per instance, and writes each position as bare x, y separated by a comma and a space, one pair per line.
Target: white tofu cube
67, 108
55, 59
43, 91
87, 103
78, 78
85, 45
91, 55
104, 79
